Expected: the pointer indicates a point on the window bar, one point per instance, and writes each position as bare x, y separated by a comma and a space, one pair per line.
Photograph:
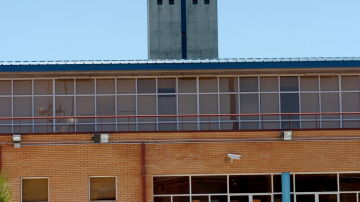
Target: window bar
198, 102
116, 104
320, 108
136, 105
239, 103
74, 103
177, 102
156, 105
32, 105
340, 102
12, 106
259, 118
299, 97
218, 103
95, 108
279, 103
53, 121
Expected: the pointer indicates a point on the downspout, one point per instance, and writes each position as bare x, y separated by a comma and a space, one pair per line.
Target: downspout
143, 172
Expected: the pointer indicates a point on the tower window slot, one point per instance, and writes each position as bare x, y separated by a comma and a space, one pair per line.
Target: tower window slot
159, 2
195, 2
207, 1
171, 2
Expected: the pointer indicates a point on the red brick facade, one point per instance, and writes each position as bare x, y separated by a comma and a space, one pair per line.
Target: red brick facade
68, 167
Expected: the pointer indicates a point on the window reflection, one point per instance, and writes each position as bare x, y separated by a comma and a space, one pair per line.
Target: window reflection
208, 184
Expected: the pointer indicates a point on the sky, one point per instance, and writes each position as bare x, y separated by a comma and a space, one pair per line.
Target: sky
117, 29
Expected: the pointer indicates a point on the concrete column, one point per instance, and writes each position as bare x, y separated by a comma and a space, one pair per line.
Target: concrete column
285, 187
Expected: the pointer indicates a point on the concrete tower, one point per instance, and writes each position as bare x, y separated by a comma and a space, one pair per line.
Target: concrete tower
182, 29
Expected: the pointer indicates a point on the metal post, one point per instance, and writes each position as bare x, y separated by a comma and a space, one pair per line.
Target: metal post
285, 187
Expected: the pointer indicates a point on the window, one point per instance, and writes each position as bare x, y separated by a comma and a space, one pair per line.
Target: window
171, 185
195, 2
102, 188
159, 2
207, 2
171, 2
34, 190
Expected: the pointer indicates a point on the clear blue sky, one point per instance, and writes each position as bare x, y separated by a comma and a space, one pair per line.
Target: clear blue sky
117, 29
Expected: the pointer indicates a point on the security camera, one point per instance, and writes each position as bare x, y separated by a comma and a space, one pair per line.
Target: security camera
232, 157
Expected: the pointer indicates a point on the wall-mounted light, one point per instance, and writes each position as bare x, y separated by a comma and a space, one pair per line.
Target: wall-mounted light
101, 138
286, 135
16, 138
231, 157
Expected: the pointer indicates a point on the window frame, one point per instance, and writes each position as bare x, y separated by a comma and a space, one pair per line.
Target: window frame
104, 176
33, 178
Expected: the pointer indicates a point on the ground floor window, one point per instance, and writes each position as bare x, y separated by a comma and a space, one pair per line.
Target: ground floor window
305, 187
102, 188
34, 190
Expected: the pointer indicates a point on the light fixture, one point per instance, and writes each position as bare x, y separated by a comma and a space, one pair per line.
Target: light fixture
286, 135
16, 138
101, 138
231, 157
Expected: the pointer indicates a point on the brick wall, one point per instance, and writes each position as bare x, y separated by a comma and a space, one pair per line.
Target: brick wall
69, 167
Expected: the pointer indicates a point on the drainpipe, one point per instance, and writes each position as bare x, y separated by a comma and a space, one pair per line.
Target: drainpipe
285, 187
143, 172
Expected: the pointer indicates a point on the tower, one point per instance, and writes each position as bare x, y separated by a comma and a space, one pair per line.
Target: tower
182, 29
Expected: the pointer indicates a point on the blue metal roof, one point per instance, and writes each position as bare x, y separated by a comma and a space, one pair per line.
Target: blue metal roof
133, 65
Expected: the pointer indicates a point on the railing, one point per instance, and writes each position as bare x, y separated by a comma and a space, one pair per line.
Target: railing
191, 122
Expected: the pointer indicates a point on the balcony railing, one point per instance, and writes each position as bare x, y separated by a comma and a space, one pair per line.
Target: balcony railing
191, 122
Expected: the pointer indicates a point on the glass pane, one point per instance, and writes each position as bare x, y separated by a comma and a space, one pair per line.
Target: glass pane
43, 87
126, 86
200, 199
146, 86
330, 103
105, 105
166, 86
208, 84
348, 197
5, 87
277, 183
85, 106
34, 190
310, 104
43, 108
248, 84
187, 105
23, 107
147, 106
309, 83
218, 199
22, 87
261, 198
327, 198
208, 184
289, 104
250, 183
64, 106
289, 83
209, 105
249, 105
162, 199
102, 188
181, 199
329, 83
167, 106
270, 104
171, 185
350, 182
187, 85
315, 182
126, 105
64, 86
239, 199
105, 86
269, 84
85, 86
305, 198
351, 103
229, 105
5, 111
229, 84
350, 83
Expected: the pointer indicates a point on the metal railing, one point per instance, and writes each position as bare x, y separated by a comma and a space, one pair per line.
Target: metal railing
189, 122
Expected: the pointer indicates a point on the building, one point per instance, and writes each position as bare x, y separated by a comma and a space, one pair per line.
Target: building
182, 29
168, 121
182, 130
